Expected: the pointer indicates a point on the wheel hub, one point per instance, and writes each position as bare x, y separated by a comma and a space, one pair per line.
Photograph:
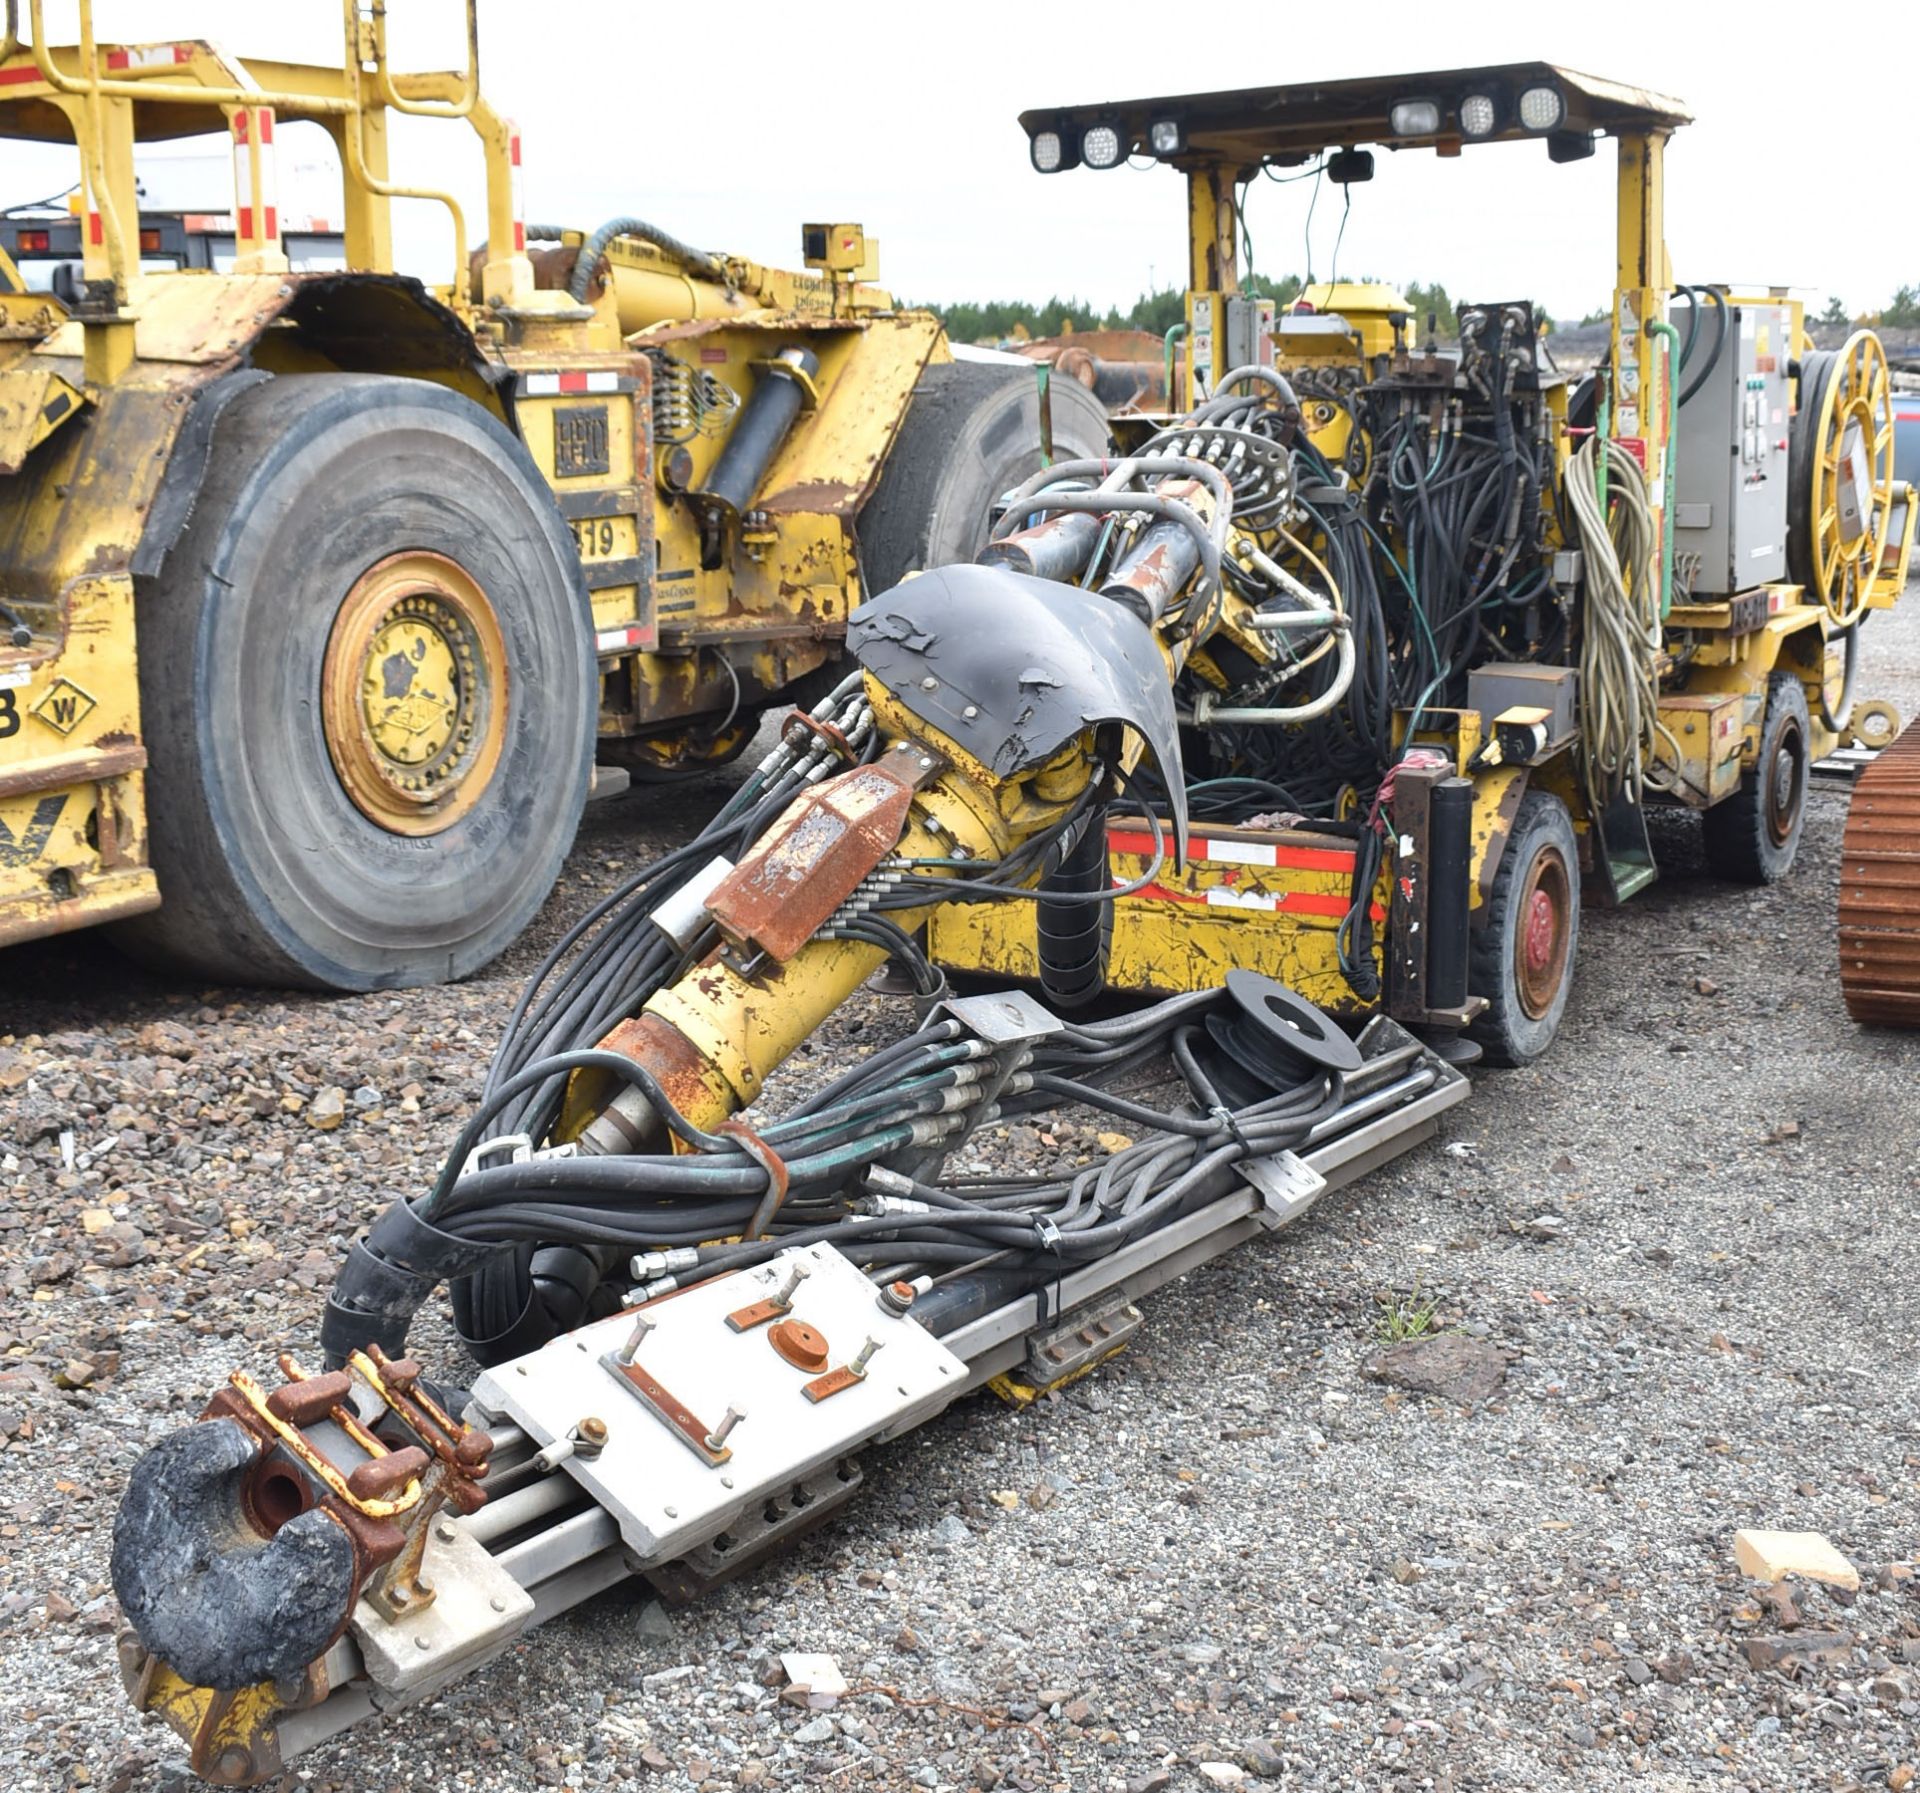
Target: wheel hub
1540, 948
414, 696
1784, 788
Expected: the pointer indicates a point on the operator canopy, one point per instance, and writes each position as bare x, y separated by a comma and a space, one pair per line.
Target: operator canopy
1250, 127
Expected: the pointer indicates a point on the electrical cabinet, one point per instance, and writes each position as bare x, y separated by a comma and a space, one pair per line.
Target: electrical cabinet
1730, 465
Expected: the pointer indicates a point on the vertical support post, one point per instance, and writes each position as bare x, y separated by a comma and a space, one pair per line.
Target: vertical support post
507, 277
256, 210
1642, 283
1212, 274
369, 214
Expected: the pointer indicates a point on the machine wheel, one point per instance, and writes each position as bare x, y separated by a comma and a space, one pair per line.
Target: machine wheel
368, 685
1521, 958
1752, 837
971, 433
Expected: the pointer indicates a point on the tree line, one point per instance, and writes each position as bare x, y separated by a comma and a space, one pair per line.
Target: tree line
1003, 320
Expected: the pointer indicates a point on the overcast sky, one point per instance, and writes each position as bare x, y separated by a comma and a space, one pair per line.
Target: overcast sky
729, 125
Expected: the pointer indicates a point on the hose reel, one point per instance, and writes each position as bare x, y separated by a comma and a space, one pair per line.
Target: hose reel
1840, 474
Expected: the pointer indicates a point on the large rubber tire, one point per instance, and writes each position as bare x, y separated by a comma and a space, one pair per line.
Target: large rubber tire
971, 433
270, 870
1521, 957
1753, 836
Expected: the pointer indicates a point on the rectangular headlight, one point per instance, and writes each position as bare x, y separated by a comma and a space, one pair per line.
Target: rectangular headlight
1165, 137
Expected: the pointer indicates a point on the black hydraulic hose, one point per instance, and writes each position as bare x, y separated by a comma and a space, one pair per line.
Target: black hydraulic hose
696, 261
1073, 938
1719, 343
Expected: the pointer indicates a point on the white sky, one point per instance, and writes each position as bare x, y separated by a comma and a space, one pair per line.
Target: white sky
730, 125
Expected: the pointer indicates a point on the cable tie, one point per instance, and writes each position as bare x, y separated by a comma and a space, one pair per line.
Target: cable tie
1231, 1121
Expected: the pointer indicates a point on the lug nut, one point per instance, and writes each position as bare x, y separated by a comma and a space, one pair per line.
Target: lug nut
859, 1365
627, 1352
717, 1438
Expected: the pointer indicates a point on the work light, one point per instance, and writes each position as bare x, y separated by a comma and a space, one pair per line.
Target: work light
1479, 115
1100, 146
1165, 137
1543, 109
1414, 118
1048, 151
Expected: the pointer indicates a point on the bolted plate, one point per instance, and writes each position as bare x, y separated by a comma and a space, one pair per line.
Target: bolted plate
668, 1496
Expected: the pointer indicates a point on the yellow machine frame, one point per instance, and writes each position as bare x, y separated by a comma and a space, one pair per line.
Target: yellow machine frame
1267, 898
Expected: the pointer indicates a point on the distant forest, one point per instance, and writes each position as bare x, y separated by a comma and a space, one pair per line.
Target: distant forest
1001, 320
998, 320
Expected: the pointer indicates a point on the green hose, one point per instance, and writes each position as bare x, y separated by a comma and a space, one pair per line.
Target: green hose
1174, 334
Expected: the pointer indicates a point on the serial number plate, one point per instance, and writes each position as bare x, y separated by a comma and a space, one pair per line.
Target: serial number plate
580, 441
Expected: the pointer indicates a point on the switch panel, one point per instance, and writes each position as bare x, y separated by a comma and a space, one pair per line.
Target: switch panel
1730, 451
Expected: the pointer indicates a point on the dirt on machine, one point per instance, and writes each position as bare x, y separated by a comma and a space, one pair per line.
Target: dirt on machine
324, 590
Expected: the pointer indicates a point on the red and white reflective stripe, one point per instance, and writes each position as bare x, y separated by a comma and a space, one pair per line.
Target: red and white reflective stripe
1225, 850
519, 189
612, 641
150, 56
256, 216
545, 385
1265, 902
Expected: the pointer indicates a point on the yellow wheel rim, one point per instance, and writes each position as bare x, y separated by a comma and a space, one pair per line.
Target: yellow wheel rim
1856, 416
414, 693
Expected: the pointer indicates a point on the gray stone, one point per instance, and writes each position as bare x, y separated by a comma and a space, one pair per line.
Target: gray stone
1450, 1365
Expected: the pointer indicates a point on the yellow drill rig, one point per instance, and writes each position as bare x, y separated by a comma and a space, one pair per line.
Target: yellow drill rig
696, 1290
320, 587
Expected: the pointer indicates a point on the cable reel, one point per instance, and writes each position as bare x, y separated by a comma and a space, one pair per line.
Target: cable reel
1840, 474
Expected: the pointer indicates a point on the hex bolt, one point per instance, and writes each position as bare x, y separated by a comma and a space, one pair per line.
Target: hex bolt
859, 1365
590, 1437
783, 1299
717, 1438
627, 1352
444, 1531
929, 683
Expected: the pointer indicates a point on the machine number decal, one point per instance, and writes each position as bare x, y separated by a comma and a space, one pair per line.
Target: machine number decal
9, 715
580, 441
594, 537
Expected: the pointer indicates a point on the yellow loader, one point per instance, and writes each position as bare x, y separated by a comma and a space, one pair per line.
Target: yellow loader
321, 590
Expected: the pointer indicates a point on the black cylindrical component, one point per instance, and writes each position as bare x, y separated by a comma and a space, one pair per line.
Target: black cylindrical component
763, 425
1073, 935
1155, 570
1449, 867
1055, 549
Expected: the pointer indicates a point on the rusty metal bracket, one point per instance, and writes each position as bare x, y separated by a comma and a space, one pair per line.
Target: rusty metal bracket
778, 1177
655, 1395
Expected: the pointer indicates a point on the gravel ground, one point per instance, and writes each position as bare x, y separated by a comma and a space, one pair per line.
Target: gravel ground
1228, 1553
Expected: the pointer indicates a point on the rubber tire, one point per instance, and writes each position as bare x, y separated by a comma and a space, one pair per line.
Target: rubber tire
1506, 1033
1739, 844
971, 434
268, 872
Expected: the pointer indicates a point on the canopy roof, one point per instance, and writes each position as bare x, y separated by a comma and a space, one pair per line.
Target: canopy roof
1251, 125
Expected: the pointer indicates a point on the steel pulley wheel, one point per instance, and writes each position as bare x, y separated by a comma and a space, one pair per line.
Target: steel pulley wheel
1880, 890
1840, 474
